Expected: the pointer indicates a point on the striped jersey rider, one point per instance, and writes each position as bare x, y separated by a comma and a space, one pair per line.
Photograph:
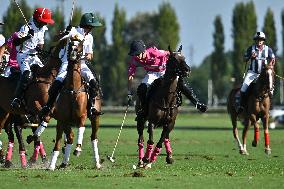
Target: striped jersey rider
154, 62
258, 54
87, 23
30, 40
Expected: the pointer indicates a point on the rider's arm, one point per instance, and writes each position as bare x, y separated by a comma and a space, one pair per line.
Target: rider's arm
131, 73
88, 47
2, 50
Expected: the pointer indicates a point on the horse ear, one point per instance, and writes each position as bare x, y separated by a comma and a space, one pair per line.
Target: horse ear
169, 47
180, 48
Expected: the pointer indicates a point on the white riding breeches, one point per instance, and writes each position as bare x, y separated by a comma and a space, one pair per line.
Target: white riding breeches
250, 77
85, 71
27, 60
151, 76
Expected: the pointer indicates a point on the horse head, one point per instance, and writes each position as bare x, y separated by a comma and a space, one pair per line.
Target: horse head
75, 50
176, 65
265, 80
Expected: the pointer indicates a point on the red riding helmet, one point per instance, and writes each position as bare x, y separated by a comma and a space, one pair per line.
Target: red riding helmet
43, 15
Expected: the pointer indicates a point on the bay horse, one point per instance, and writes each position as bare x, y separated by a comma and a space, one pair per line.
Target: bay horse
71, 108
257, 107
162, 109
34, 97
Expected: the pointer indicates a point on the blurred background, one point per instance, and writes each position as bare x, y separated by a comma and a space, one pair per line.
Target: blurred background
214, 35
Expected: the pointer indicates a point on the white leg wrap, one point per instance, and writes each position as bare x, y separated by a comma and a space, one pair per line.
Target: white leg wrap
81, 131
41, 128
239, 144
96, 151
67, 154
54, 157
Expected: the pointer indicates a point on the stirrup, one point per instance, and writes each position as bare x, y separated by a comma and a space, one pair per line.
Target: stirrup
16, 103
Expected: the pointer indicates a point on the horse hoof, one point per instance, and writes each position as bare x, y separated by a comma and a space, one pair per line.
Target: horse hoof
63, 166
267, 151
169, 160
98, 166
44, 159
254, 143
148, 166
244, 152
77, 153
140, 164
8, 164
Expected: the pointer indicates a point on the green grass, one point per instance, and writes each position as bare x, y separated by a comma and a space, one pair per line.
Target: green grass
204, 158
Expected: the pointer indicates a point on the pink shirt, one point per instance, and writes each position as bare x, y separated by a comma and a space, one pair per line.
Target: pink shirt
13, 52
155, 61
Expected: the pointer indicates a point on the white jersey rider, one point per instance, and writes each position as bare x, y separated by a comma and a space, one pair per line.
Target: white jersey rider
258, 54
30, 40
87, 23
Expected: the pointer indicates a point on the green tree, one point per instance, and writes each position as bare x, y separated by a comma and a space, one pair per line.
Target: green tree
282, 21
244, 27
270, 30
13, 18
218, 60
117, 87
167, 26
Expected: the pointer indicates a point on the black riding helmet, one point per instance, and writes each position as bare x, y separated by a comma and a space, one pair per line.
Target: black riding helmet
136, 47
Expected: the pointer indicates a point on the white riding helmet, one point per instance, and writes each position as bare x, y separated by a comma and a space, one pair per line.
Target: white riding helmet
259, 35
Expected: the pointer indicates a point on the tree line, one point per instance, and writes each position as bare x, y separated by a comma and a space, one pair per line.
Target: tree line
160, 28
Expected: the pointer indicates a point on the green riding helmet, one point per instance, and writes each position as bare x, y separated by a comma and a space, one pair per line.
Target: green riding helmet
89, 19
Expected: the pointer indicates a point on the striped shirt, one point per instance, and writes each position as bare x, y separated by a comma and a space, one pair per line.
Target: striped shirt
263, 56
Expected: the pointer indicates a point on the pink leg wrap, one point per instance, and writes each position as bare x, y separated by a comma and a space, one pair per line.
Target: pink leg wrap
140, 150
256, 134
266, 138
154, 155
149, 151
36, 152
9, 151
167, 144
23, 159
41, 150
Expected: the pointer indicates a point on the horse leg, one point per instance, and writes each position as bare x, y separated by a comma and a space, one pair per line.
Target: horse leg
8, 159
22, 151
167, 143
95, 122
150, 144
265, 121
80, 136
70, 137
245, 131
41, 148
256, 135
158, 147
236, 133
140, 128
55, 153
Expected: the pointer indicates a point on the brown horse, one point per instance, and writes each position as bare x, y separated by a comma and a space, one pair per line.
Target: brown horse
162, 109
257, 107
33, 98
71, 108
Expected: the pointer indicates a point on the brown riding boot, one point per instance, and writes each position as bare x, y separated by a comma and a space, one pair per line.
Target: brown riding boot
242, 103
141, 106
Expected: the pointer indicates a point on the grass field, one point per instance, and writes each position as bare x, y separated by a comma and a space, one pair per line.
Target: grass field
204, 151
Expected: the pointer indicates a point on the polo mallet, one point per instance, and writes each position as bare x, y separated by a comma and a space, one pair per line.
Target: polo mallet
21, 12
111, 157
